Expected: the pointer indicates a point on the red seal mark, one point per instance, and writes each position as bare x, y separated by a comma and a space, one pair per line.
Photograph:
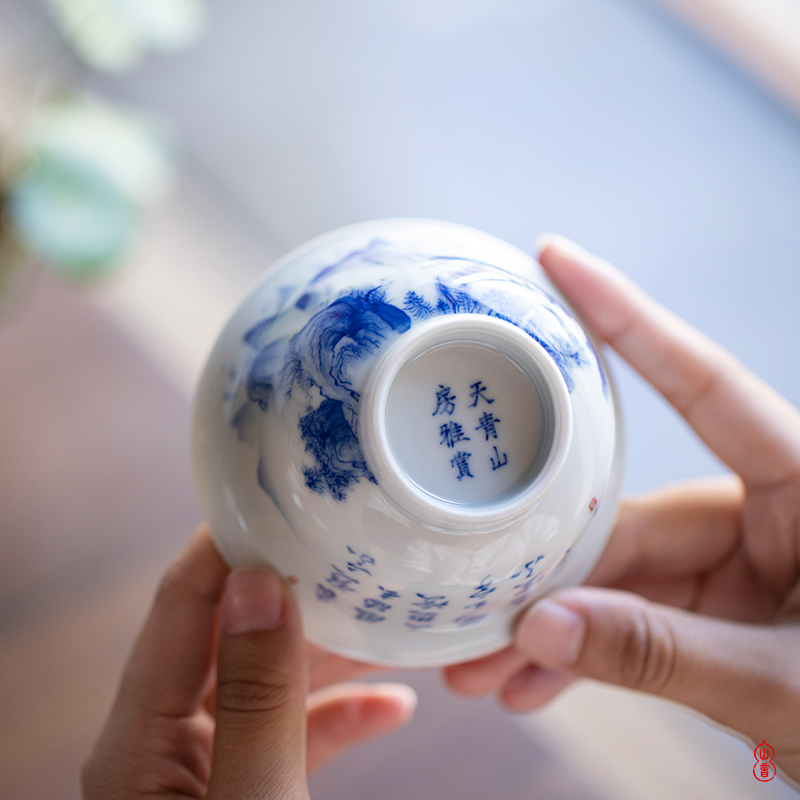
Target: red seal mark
764, 769
593, 504
293, 580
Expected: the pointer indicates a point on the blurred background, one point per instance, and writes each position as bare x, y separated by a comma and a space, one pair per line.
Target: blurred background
156, 156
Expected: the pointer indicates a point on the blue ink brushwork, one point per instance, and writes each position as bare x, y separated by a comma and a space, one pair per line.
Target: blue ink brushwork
424, 611
348, 330
340, 580
460, 462
417, 306
324, 594
365, 615
456, 300
452, 433
426, 603
420, 620
359, 563
478, 393
568, 348
522, 590
321, 356
376, 605
444, 402
480, 593
484, 588
487, 423
498, 460
374, 253
323, 364
338, 459
528, 567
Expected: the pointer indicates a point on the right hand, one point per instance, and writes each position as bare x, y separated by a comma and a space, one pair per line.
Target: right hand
696, 597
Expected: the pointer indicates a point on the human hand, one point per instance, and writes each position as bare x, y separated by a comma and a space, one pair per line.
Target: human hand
703, 579
212, 702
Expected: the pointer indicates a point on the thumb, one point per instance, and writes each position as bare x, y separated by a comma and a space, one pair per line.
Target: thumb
260, 738
733, 672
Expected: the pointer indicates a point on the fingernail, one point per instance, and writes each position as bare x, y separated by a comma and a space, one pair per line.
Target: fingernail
253, 602
552, 634
542, 240
547, 239
376, 711
563, 244
401, 692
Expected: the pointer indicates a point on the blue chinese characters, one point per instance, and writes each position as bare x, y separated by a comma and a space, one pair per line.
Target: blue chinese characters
452, 432
368, 602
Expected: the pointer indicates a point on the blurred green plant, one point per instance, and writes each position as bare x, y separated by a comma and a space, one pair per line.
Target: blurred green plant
78, 178
87, 172
117, 35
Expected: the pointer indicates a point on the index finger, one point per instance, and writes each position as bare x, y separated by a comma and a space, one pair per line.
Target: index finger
169, 670
744, 421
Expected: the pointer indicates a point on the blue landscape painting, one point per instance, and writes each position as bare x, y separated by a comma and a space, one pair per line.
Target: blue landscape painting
321, 359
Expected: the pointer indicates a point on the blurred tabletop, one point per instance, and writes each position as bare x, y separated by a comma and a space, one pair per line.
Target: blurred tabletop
606, 120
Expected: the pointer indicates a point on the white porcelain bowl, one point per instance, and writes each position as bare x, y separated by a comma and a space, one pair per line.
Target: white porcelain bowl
404, 419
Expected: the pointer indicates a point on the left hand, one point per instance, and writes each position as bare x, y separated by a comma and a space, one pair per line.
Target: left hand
212, 702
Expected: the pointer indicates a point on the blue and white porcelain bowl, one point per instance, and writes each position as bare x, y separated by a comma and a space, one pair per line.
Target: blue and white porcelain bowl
405, 420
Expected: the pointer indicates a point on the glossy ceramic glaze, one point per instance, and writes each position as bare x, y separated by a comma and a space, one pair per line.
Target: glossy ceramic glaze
406, 421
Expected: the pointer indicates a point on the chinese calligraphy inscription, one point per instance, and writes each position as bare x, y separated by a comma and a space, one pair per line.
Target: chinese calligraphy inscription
452, 432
